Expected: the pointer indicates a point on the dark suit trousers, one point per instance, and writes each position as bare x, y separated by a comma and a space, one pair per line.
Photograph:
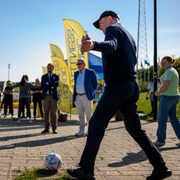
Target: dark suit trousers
121, 96
50, 103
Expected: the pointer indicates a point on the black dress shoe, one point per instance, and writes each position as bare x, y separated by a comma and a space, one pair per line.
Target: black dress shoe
158, 175
54, 132
45, 131
81, 173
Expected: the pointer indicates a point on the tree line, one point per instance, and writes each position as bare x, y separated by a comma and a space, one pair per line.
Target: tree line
143, 81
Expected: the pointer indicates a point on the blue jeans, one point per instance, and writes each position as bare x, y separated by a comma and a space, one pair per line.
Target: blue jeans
167, 107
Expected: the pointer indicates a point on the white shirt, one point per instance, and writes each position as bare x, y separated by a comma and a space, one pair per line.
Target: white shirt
49, 75
151, 86
80, 82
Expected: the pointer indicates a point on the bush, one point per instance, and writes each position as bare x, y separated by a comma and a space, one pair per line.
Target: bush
143, 85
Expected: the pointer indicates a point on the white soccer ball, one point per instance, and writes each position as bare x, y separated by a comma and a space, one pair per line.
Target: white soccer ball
53, 161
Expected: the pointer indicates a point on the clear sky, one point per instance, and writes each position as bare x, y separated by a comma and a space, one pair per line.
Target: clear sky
27, 27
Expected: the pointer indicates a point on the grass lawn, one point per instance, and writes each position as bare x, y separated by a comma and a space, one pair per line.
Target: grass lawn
144, 107
42, 174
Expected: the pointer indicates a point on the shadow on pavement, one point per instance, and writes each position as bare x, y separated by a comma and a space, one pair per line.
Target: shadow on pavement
133, 158
36, 143
10, 125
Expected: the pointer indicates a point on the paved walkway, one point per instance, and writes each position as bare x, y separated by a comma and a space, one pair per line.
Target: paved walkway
22, 146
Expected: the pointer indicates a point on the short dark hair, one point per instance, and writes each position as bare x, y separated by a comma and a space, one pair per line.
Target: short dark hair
50, 64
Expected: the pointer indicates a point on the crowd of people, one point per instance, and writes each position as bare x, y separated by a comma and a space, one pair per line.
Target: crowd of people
44, 91
121, 93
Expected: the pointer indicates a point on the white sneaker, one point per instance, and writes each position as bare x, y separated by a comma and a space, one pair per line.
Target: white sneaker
86, 133
80, 133
19, 120
157, 143
30, 121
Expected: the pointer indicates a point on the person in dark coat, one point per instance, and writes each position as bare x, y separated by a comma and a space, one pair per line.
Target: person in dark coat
121, 92
37, 98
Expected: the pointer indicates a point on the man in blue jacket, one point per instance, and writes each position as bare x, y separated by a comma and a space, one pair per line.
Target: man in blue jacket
84, 93
121, 92
50, 96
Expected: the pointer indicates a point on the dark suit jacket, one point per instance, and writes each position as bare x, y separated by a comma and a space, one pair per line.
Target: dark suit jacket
54, 82
90, 83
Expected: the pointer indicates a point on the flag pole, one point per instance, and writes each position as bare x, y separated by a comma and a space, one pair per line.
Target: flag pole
155, 60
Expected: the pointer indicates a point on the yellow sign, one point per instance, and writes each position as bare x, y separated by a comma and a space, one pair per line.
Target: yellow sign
61, 69
56, 51
44, 69
74, 33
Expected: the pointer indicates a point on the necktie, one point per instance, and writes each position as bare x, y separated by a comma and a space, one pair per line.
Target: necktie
49, 81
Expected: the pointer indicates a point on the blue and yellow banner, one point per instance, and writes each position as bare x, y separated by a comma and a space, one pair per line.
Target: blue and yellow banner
61, 69
74, 33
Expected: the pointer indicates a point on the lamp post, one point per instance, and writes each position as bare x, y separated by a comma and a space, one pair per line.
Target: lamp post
9, 71
155, 60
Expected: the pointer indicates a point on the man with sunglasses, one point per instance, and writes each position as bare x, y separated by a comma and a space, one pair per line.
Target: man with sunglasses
84, 93
121, 92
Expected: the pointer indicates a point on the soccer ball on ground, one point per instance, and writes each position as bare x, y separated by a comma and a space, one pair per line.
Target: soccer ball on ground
53, 161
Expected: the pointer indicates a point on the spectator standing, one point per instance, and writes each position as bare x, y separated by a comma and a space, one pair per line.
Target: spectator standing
50, 96
37, 98
169, 93
8, 99
24, 96
84, 93
151, 91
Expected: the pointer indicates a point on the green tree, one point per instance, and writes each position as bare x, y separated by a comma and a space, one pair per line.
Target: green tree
140, 73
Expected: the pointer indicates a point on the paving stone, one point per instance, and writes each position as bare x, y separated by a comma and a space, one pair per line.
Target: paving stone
23, 147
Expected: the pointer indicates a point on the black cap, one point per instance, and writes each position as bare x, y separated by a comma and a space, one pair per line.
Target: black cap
104, 14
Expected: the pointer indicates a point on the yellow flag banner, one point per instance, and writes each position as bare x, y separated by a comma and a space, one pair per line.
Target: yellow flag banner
61, 69
44, 69
56, 51
73, 33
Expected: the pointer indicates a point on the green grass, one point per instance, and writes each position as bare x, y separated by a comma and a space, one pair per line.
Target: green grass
40, 173
144, 107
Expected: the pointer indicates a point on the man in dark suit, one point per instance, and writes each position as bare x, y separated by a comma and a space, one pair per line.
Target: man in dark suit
50, 96
84, 93
121, 92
